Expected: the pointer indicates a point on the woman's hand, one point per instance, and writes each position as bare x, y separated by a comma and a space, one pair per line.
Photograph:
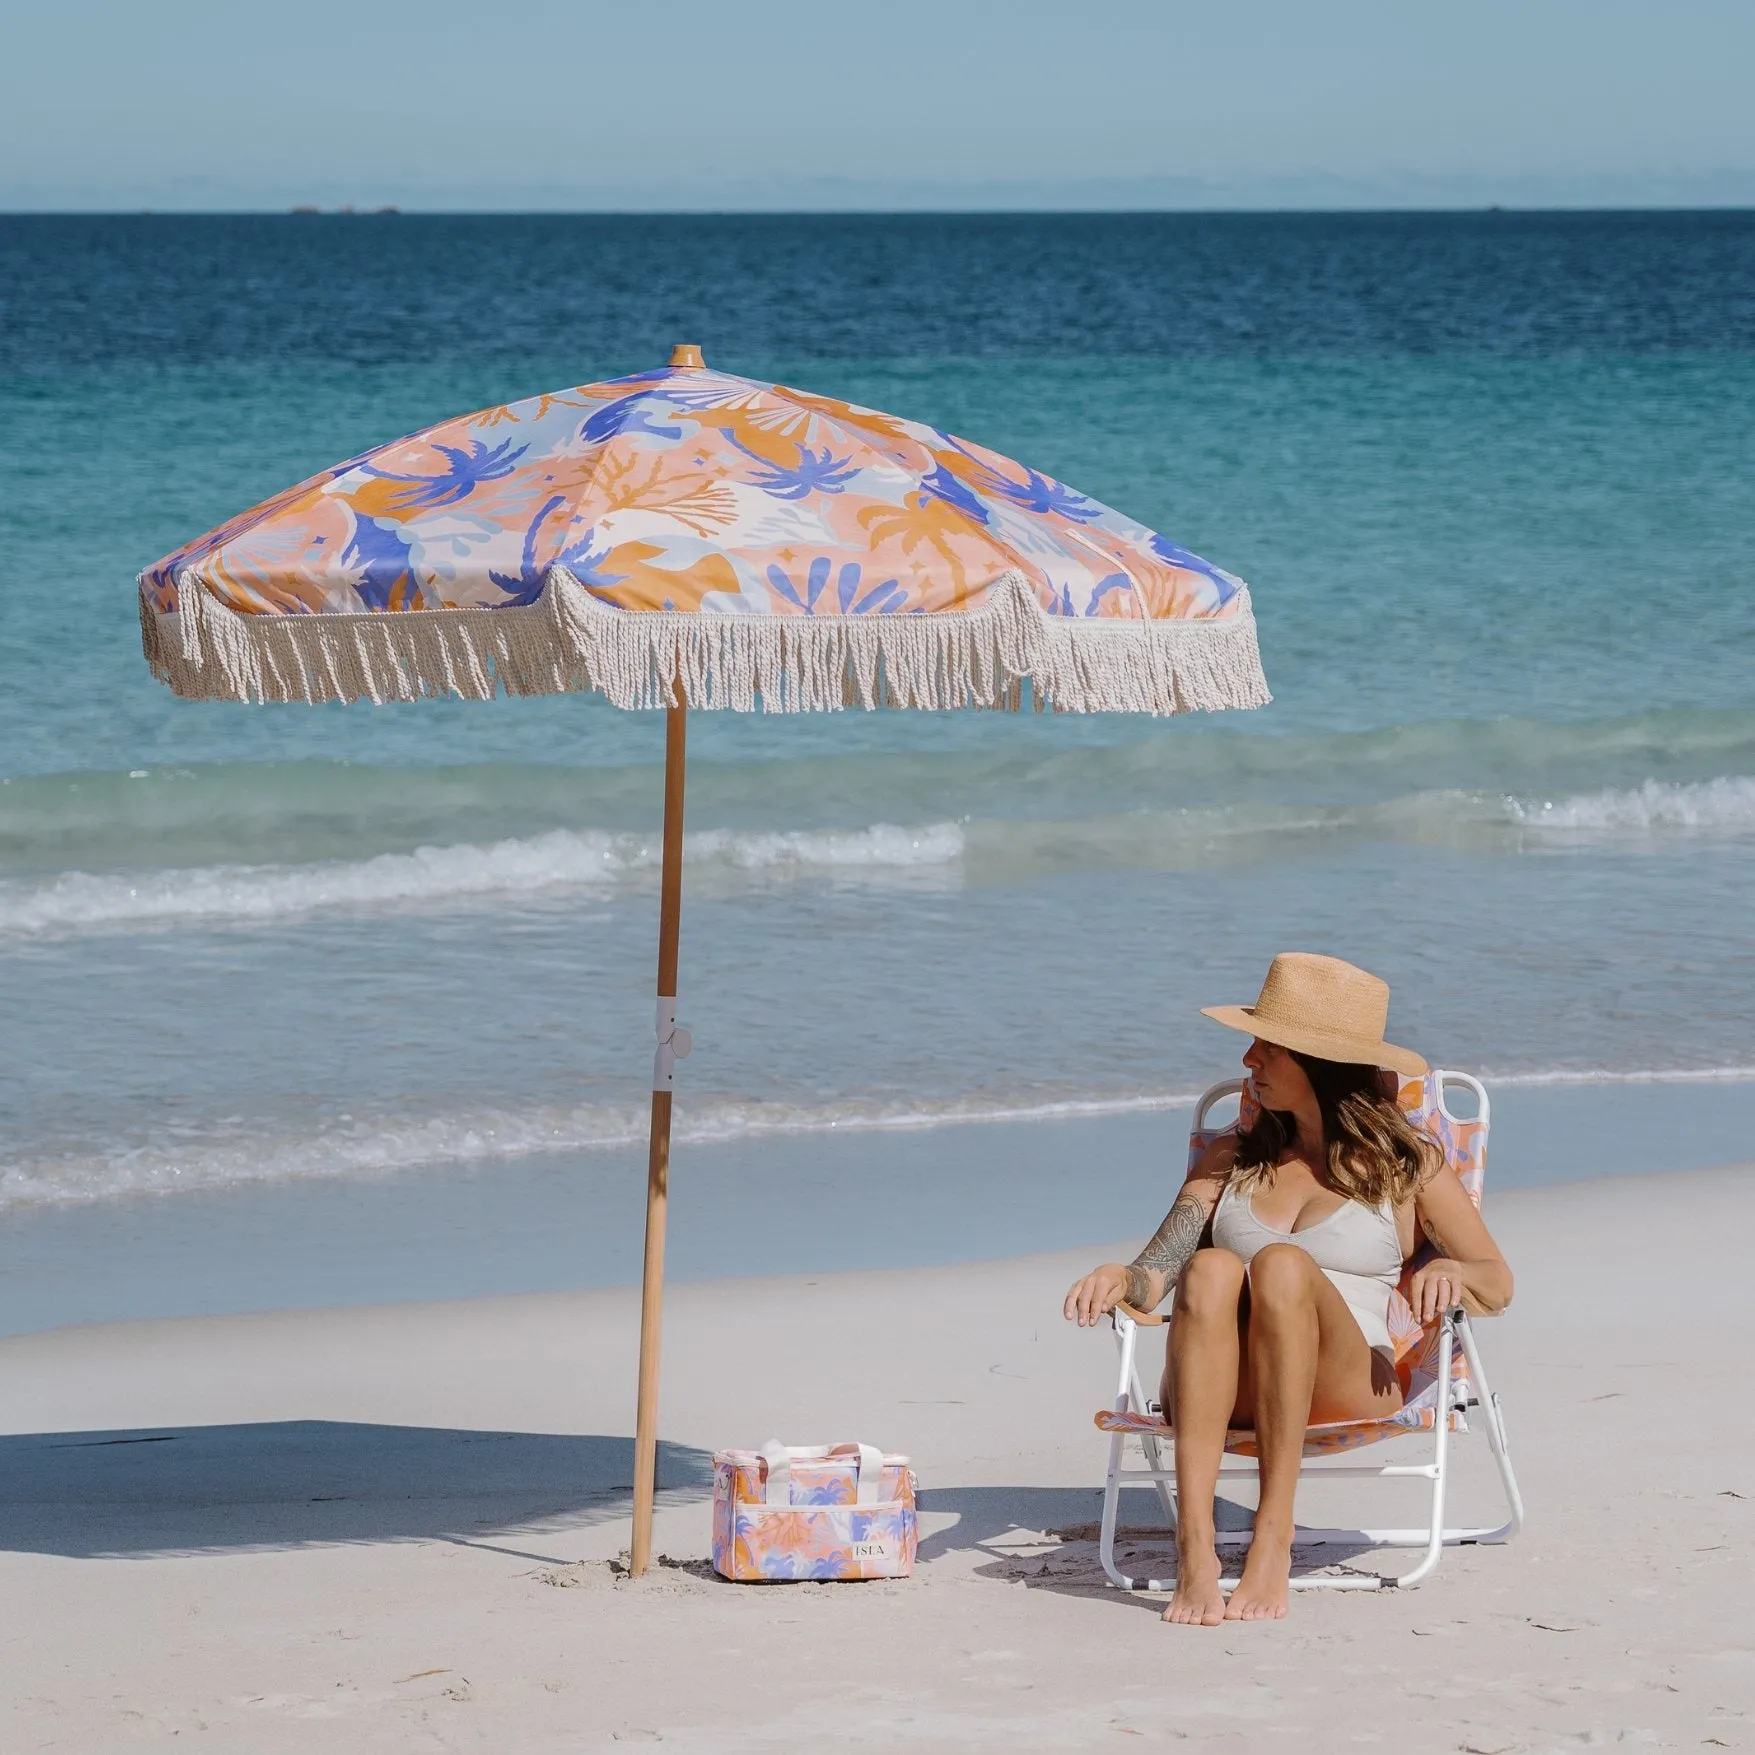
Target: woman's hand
1093, 1297
1146, 1282
1437, 1286
1477, 1276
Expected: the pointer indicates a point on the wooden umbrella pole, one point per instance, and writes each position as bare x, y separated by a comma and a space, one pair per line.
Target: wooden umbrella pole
673, 1044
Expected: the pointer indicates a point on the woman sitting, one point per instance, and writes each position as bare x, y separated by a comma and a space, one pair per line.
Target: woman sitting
1281, 1321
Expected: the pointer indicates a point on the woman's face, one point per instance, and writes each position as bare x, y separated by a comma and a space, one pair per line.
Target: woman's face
1280, 1082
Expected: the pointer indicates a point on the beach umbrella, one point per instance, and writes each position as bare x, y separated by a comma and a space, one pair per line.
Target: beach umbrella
685, 539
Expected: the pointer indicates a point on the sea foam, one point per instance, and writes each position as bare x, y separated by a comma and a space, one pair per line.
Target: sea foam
229, 1153
1008, 848
1726, 804
560, 860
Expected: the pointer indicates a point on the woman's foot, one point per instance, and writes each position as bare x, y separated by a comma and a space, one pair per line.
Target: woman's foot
1262, 1591
1197, 1601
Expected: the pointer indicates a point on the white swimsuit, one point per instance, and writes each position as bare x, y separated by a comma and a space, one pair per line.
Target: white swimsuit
1357, 1247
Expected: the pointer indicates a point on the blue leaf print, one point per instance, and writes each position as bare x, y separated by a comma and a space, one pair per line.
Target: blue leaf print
379, 551
1114, 582
881, 599
585, 561
1042, 493
876, 599
526, 587
625, 415
942, 485
1166, 550
465, 470
813, 473
784, 586
815, 579
1035, 493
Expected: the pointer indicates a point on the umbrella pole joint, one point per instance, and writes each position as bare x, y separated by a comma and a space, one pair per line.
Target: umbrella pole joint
675, 1042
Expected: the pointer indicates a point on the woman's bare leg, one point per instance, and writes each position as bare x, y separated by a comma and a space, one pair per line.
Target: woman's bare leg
1308, 1361
1201, 1383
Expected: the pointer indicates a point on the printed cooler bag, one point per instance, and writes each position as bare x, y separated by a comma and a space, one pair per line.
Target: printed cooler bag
813, 1511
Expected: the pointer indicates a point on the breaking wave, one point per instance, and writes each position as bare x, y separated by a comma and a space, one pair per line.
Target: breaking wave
351, 1146
1657, 807
233, 1154
560, 860
572, 860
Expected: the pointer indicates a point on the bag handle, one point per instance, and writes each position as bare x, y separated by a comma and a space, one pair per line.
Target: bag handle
778, 1458
779, 1461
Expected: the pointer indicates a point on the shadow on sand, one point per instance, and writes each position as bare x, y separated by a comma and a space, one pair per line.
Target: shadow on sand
1007, 1525
988, 1516
284, 1484
297, 1483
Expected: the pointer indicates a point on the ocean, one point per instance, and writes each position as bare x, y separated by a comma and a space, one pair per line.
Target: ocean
1491, 478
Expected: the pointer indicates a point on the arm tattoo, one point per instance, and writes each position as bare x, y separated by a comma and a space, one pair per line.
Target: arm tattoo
1167, 1254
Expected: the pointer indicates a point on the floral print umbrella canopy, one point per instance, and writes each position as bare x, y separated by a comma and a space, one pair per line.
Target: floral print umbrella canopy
757, 545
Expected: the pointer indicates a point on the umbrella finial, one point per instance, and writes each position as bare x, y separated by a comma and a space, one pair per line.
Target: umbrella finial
686, 353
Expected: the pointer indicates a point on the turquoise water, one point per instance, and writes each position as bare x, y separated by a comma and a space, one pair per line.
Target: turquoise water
1491, 479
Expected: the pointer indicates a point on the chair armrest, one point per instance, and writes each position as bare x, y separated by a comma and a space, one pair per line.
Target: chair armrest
1145, 1319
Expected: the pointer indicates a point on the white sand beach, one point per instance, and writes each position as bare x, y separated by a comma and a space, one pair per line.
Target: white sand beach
393, 1528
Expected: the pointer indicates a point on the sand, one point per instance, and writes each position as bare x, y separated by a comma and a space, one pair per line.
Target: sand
394, 1528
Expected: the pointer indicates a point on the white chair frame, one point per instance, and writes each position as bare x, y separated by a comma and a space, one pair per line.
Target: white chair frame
1456, 1399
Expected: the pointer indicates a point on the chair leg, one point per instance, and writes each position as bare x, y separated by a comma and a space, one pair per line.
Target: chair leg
1111, 1507
1497, 1442
1166, 1494
1130, 1397
1440, 1462
1432, 1539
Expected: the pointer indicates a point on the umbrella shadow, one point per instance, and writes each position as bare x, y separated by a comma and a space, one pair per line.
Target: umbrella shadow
296, 1483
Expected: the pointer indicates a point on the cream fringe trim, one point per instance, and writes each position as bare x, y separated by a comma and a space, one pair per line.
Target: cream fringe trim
569, 642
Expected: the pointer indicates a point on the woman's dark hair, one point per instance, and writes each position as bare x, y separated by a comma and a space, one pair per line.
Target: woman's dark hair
1375, 1153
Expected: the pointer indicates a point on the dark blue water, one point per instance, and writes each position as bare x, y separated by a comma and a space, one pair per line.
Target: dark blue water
513, 291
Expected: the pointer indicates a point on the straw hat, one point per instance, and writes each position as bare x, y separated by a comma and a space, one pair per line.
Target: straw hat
1324, 1007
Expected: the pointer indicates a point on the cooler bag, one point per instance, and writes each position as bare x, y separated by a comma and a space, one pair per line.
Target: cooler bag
813, 1511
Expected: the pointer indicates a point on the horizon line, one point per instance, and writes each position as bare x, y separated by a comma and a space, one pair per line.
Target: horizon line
392, 210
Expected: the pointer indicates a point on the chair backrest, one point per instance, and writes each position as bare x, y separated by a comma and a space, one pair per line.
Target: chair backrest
1464, 1144
1463, 1141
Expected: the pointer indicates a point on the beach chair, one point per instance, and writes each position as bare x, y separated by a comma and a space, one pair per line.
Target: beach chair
1443, 1385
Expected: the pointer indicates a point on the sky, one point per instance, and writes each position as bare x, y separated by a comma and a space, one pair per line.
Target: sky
891, 104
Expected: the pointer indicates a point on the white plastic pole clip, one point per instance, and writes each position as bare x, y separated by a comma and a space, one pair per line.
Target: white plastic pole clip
674, 1043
